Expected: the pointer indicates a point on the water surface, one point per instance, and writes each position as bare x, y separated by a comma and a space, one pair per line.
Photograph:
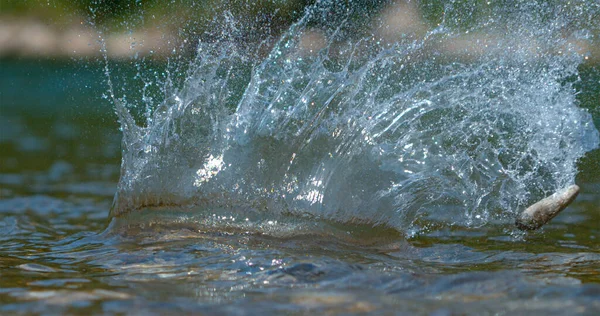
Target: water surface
60, 167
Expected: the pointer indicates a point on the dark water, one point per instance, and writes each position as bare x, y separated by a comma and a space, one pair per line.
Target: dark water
60, 253
58, 173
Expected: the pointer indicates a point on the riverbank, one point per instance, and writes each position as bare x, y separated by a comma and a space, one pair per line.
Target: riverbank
33, 38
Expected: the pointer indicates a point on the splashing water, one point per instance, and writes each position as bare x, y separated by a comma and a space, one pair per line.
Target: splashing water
369, 116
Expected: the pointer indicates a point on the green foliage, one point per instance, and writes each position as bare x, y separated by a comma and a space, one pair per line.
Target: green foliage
127, 13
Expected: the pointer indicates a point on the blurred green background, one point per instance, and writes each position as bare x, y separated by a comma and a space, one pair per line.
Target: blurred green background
63, 28
114, 13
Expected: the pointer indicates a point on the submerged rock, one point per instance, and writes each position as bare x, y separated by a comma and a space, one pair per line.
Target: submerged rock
546, 209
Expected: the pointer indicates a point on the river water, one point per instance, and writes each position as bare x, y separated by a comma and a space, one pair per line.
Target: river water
295, 210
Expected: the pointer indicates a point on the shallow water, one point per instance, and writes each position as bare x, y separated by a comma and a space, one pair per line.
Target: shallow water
59, 170
60, 155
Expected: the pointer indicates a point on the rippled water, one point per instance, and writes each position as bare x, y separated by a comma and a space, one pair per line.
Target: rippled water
61, 253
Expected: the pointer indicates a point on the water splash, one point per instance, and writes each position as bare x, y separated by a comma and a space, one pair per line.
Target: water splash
356, 116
